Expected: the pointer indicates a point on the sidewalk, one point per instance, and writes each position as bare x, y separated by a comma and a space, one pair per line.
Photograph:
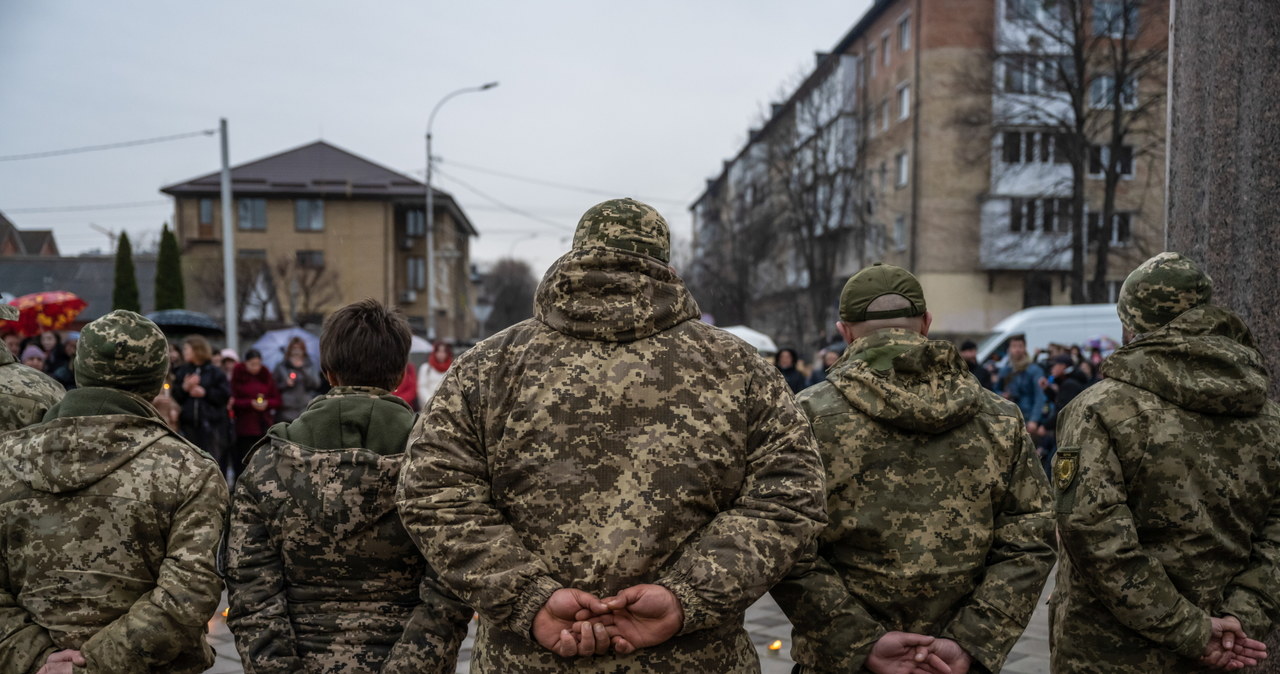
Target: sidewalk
765, 623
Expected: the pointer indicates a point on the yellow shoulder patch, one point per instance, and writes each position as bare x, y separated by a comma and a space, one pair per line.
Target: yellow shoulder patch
1064, 470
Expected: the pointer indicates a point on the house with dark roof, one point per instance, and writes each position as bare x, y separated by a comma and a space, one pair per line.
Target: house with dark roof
318, 227
16, 242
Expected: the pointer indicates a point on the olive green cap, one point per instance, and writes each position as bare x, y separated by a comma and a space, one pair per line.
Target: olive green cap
123, 350
1160, 290
625, 224
877, 281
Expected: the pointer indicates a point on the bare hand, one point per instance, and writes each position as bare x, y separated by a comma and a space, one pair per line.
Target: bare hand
63, 662
197, 391
954, 655
1033, 428
905, 653
642, 616
259, 405
190, 381
554, 621
1229, 648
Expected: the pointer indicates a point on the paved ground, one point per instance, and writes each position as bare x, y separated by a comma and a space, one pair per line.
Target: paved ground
765, 623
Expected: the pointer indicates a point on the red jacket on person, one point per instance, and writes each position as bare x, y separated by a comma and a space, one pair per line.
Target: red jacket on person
245, 390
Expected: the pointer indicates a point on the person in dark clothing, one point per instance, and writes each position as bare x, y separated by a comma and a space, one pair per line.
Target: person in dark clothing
254, 399
1064, 383
785, 360
202, 392
969, 351
297, 379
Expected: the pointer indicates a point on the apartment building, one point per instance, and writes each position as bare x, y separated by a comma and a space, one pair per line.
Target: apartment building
317, 227
930, 166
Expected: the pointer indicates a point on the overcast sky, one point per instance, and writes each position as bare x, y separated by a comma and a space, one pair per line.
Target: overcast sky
641, 99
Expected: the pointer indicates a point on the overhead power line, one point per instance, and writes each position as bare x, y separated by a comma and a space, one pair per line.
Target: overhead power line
506, 207
551, 183
107, 146
89, 207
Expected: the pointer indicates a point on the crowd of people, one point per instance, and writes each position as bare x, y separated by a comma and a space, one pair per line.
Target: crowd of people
610, 484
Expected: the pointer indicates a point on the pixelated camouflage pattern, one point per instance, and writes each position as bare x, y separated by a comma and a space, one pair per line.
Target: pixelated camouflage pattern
322, 576
610, 441
1173, 512
123, 350
1159, 290
25, 393
110, 526
624, 224
8, 312
940, 515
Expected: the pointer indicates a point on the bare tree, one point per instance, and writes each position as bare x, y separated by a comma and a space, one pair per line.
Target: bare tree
255, 301
307, 288
508, 288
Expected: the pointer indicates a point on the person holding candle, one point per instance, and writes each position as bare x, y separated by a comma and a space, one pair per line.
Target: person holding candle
254, 398
297, 380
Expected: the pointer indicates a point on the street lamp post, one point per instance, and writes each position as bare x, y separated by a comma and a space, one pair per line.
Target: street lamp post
431, 215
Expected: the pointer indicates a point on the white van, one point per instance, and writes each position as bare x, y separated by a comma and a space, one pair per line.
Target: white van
1063, 324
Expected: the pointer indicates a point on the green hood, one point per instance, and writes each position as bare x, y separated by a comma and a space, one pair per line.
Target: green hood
902, 379
348, 445
83, 439
1204, 361
610, 295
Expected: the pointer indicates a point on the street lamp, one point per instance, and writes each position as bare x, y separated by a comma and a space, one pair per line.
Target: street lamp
431, 216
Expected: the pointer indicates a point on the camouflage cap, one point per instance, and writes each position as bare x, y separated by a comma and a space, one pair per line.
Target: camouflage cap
877, 281
8, 312
123, 350
625, 224
1160, 290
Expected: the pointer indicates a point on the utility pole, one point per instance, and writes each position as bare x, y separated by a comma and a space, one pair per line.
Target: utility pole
228, 247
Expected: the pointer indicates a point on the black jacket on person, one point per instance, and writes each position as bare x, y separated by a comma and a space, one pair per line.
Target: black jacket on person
203, 421
983, 374
1072, 385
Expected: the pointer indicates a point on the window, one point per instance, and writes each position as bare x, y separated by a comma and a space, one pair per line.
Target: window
871, 61
252, 254
904, 100
1120, 233
415, 223
884, 49
1032, 147
1115, 18
900, 168
884, 175
1100, 158
904, 33
309, 215
252, 214
1035, 74
311, 259
206, 211
416, 273
884, 115
1049, 215
1102, 92
900, 232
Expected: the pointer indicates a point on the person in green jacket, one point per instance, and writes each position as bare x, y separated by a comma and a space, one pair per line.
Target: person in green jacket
322, 575
109, 522
1168, 491
941, 526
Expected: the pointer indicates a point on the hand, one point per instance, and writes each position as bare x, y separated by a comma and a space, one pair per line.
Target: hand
642, 616
197, 391
1229, 648
554, 621
1033, 428
259, 405
952, 653
905, 653
190, 381
1044, 383
63, 662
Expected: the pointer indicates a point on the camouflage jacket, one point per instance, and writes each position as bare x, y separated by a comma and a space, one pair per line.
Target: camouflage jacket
1168, 484
25, 393
322, 576
109, 525
612, 440
941, 518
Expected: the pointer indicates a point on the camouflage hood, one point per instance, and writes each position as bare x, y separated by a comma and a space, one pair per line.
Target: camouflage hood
611, 295
1203, 361
900, 378
353, 437
86, 437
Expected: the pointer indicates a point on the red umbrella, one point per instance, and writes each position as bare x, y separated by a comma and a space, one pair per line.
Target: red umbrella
42, 312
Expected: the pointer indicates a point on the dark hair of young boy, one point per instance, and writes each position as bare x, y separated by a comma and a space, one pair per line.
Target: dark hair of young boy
365, 344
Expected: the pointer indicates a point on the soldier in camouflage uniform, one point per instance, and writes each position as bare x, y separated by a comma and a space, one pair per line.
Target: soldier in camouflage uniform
323, 577
1168, 490
109, 521
941, 521
612, 445
25, 394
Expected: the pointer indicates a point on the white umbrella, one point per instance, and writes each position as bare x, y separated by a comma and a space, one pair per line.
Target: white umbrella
762, 342
419, 345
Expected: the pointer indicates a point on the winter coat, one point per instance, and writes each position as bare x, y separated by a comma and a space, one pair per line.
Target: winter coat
940, 515
429, 380
296, 392
1168, 501
1023, 387
25, 393
203, 420
110, 527
245, 390
609, 441
322, 576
